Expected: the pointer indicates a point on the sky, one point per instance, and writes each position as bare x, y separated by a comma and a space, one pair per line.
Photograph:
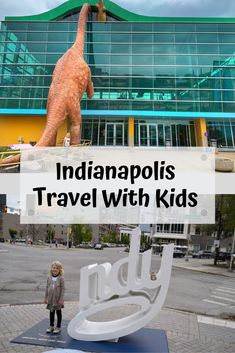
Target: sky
190, 8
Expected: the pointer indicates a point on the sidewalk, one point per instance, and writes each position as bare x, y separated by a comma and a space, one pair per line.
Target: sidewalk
186, 332
203, 265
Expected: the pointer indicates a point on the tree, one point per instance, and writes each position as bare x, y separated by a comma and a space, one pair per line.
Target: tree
125, 239
87, 234
50, 234
76, 233
219, 221
114, 236
106, 238
80, 233
229, 214
224, 220
12, 233
110, 237
145, 241
33, 231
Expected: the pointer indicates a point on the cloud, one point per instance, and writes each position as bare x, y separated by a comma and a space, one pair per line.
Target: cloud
181, 8
26, 7
161, 8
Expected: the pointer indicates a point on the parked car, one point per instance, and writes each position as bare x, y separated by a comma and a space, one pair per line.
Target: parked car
98, 246
224, 256
84, 245
145, 248
178, 253
20, 240
203, 254
2, 240
105, 245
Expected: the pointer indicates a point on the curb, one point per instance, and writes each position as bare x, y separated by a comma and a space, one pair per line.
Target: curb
203, 271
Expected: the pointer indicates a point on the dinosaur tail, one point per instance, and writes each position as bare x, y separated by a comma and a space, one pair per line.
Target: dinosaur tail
9, 160
80, 38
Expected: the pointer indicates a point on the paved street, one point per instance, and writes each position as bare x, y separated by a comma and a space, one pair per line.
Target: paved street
189, 290
193, 314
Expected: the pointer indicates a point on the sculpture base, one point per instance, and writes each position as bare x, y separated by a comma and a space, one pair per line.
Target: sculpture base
143, 340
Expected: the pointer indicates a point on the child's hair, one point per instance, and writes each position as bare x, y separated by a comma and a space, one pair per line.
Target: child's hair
58, 265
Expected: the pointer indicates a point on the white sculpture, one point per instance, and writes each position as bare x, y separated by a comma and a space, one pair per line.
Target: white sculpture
100, 283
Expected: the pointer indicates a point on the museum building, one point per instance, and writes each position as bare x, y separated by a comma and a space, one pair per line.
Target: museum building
158, 81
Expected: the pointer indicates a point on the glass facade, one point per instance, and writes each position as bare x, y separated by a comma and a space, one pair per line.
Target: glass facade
162, 132
105, 131
165, 67
223, 132
135, 66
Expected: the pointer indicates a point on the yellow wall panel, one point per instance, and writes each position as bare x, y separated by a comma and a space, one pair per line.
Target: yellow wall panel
131, 131
30, 128
200, 130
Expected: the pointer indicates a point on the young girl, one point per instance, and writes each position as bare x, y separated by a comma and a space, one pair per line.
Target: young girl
54, 295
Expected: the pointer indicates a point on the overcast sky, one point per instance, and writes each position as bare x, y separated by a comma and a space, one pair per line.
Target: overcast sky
196, 8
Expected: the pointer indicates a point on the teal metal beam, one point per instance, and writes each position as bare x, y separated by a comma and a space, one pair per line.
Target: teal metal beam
127, 113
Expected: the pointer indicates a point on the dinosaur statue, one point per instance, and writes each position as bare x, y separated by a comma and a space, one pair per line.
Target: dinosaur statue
101, 11
70, 79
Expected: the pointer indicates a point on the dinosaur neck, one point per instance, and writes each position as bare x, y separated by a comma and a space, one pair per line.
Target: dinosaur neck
80, 38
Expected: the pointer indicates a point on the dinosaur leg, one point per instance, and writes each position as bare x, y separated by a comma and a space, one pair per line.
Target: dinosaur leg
55, 118
76, 121
53, 140
12, 159
90, 86
90, 89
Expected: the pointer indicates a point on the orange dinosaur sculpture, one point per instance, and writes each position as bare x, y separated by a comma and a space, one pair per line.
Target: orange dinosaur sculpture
70, 79
101, 11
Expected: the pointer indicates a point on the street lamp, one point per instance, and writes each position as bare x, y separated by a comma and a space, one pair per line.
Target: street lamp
68, 235
230, 269
219, 229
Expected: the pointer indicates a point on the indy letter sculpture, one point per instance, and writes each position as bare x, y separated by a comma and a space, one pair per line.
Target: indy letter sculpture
70, 79
103, 287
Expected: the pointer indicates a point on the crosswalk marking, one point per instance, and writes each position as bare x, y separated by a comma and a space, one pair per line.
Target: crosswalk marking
219, 293
225, 290
214, 321
213, 302
229, 288
223, 298
222, 295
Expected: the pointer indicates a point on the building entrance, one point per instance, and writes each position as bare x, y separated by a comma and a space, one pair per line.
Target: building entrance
114, 134
164, 134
